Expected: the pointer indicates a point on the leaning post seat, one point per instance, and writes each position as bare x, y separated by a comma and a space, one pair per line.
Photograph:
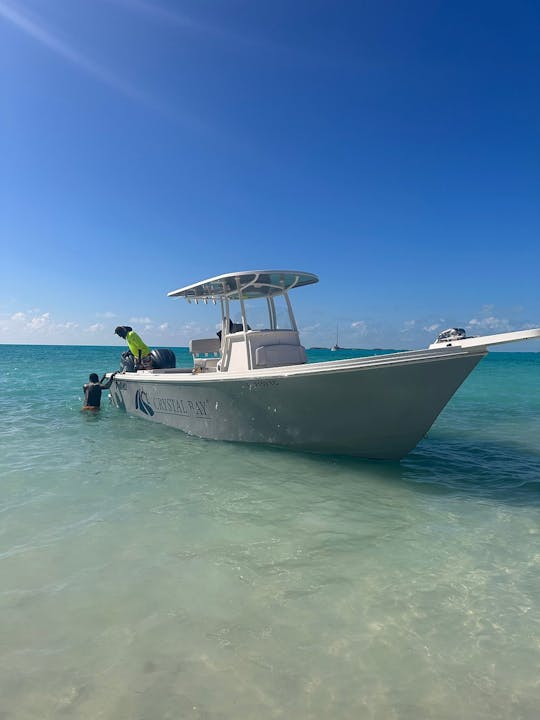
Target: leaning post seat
206, 352
205, 346
260, 349
276, 348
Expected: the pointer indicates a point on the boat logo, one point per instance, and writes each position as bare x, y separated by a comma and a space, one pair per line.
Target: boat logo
142, 404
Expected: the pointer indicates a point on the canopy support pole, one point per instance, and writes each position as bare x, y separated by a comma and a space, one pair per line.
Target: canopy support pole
244, 324
291, 314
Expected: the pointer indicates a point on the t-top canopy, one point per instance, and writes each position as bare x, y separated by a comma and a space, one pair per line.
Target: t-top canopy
247, 285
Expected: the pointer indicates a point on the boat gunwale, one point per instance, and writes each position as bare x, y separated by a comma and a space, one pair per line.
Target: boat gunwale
344, 366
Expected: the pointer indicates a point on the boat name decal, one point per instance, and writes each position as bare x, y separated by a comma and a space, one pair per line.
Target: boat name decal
261, 384
187, 408
142, 403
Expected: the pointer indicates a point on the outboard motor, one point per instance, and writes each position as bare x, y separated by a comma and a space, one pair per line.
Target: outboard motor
127, 362
163, 358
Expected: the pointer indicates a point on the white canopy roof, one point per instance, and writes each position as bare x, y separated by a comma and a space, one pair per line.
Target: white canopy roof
248, 284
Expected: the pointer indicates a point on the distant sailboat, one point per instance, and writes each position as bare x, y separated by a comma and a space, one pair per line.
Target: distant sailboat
336, 346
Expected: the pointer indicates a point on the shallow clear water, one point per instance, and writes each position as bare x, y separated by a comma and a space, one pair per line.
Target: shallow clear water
146, 574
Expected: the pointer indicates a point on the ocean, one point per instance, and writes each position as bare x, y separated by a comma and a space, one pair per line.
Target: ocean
147, 574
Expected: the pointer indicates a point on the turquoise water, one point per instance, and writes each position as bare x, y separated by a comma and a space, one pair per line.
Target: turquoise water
146, 574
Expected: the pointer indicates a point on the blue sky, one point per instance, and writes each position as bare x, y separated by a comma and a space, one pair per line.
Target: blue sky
392, 148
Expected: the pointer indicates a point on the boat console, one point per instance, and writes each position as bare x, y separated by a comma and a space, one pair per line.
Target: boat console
261, 349
238, 347
248, 351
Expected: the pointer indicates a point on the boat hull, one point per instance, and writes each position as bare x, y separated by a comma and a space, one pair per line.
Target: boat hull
373, 408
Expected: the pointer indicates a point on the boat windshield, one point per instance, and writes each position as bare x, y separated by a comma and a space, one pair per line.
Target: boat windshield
283, 317
271, 315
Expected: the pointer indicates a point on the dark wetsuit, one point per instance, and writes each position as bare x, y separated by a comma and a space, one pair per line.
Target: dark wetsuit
92, 394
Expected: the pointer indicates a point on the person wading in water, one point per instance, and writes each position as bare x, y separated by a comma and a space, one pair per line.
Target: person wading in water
92, 391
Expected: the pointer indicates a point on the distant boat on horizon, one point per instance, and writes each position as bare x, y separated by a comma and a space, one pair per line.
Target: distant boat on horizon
337, 345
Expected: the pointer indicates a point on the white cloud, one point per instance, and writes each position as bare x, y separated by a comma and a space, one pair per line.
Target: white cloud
39, 321
432, 328
107, 315
308, 329
141, 320
29, 326
31, 322
487, 309
360, 326
490, 323
95, 328
35, 326
408, 325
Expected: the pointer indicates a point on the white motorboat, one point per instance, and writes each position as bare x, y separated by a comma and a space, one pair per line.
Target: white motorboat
255, 385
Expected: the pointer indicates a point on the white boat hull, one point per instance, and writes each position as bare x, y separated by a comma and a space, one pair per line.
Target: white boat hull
378, 407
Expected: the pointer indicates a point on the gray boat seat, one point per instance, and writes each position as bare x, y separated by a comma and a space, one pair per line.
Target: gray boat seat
278, 355
205, 346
